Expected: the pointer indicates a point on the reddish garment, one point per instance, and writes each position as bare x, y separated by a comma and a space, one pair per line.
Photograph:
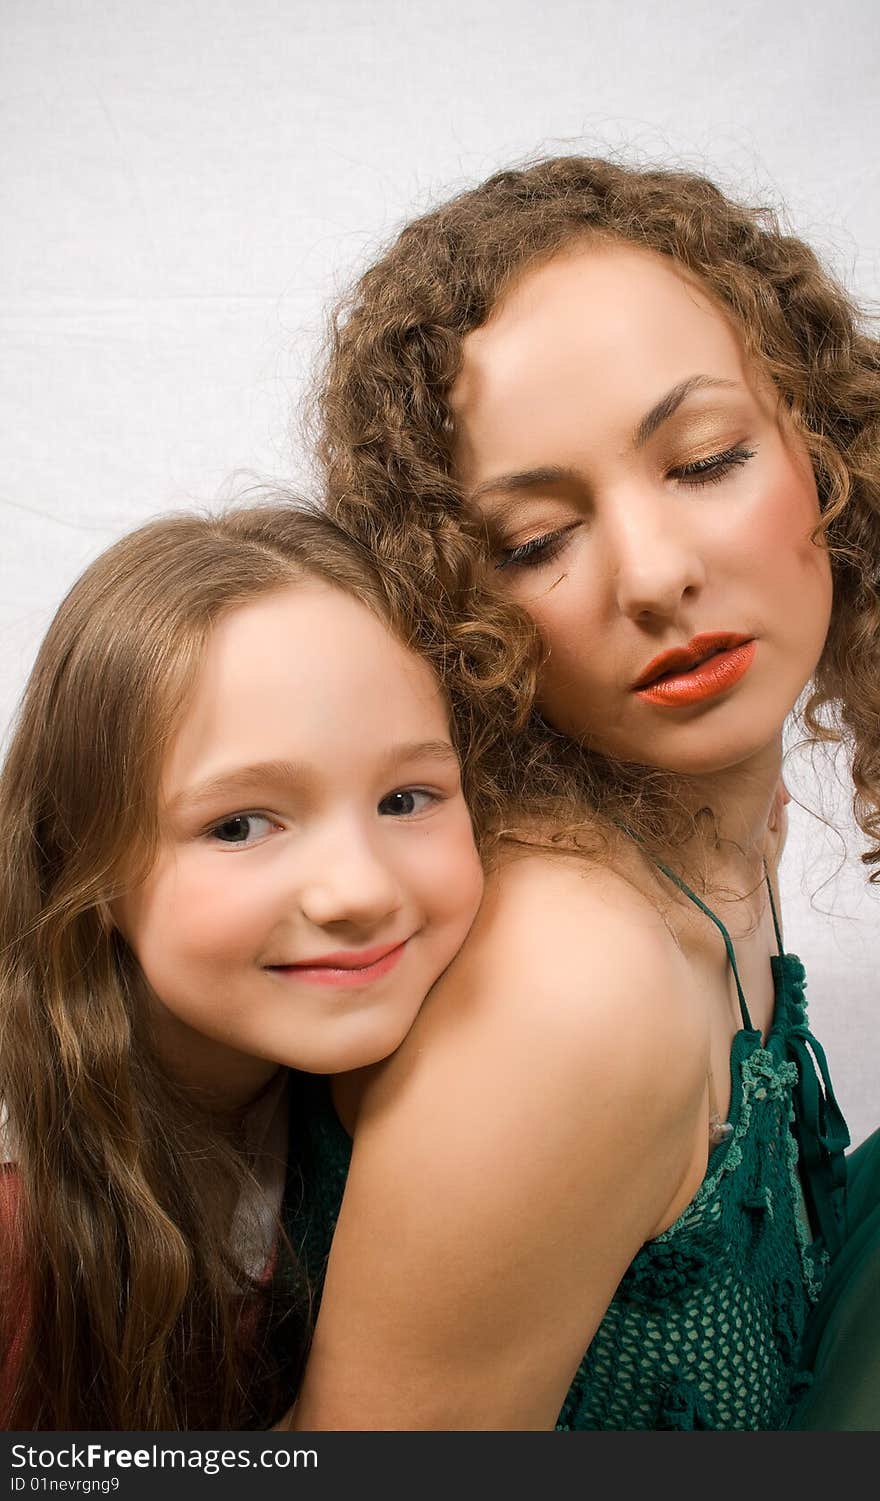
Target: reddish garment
15, 1315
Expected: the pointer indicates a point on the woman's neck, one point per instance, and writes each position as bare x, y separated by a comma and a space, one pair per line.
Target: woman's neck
732, 808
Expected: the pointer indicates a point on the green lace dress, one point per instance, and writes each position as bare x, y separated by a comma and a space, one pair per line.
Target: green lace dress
706, 1329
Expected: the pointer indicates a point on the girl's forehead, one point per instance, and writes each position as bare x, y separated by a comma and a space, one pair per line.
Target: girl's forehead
310, 633
294, 674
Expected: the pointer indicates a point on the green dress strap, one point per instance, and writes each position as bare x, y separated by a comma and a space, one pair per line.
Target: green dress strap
820, 1127
776, 926
728, 941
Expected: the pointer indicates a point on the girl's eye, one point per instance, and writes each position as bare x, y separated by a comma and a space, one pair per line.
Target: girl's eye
534, 552
241, 828
711, 470
407, 801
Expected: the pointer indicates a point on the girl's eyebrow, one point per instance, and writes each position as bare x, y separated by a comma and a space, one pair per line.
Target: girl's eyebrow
237, 779
519, 480
282, 773
421, 750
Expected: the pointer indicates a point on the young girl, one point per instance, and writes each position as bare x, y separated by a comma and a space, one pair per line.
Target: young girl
236, 837
611, 1131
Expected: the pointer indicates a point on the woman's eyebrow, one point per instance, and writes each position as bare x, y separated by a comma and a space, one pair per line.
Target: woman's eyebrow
523, 479
670, 403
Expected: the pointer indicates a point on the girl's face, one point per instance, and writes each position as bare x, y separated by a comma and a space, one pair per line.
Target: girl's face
649, 505
317, 870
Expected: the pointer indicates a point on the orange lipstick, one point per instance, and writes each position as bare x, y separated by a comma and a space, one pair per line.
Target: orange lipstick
710, 664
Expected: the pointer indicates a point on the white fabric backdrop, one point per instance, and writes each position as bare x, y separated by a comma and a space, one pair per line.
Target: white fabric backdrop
187, 184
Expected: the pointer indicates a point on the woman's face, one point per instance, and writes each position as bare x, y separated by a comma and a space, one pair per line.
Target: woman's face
649, 505
316, 870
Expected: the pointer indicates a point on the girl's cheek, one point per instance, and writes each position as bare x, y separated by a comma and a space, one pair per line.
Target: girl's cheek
469, 879
206, 907
466, 877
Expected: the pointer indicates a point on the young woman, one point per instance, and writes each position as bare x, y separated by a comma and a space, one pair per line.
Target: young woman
610, 1130
236, 837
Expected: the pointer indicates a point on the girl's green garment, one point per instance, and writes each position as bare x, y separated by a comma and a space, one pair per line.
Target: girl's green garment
712, 1325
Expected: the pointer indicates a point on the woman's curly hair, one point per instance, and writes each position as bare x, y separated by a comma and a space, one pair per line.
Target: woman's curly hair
386, 439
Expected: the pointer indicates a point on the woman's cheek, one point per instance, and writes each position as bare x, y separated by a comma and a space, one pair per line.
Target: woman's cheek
571, 690
778, 547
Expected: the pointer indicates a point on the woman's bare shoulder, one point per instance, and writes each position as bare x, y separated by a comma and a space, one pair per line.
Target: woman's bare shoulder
572, 894
570, 990
579, 945
490, 1152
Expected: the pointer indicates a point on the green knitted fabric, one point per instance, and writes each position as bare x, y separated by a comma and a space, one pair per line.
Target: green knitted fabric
705, 1327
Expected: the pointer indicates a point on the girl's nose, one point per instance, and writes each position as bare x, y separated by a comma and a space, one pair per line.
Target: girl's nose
350, 882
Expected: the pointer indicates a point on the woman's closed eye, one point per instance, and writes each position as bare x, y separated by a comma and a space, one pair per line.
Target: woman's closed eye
710, 470
713, 468
536, 551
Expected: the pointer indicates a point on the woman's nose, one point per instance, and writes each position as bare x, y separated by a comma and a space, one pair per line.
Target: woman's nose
656, 560
349, 881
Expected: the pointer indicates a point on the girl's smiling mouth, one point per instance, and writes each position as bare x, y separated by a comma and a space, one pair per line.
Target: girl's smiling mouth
347, 967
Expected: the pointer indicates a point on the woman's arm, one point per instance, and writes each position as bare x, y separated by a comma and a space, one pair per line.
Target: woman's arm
541, 1121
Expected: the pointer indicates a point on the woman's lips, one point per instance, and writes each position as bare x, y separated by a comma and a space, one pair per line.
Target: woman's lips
346, 970
683, 685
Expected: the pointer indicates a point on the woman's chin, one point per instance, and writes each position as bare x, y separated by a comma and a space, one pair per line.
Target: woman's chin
688, 737
699, 750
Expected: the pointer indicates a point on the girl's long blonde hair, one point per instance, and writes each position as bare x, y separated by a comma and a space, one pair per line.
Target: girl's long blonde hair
121, 1239
387, 435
